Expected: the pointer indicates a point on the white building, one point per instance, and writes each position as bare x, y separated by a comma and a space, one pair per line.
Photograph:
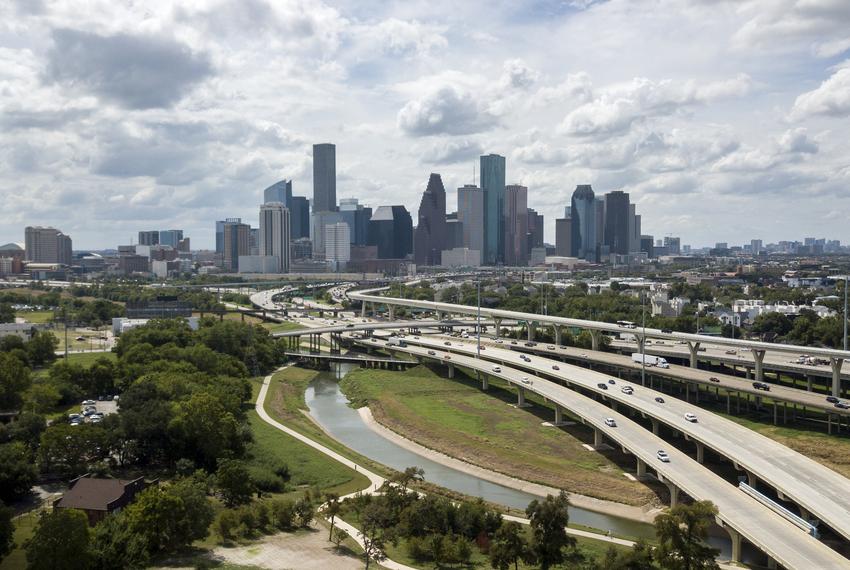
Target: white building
749, 309
337, 244
664, 306
120, 325
461, 257
274, 235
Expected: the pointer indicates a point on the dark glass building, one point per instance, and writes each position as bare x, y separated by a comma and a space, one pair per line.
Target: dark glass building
279, 192
391, 231
617, 223
299, 217
430, 236
493, 185
324, 177
583, 215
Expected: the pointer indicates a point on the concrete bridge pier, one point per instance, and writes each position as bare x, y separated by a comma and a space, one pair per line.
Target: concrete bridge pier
836, 363
674, 493
557, 330
700, 452
594, 339
693, 347
485, 382
736, 538
440, 315
498, 323
391, 310
559, 415
641, 468
597, 437
655, 426
451, 370
809, 380
758, 356
520, 398
531, 330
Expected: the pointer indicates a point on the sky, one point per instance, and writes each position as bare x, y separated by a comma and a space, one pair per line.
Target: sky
725, 121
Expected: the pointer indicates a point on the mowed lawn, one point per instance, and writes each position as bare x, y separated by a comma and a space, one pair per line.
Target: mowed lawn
283, 327
457, 418
307, 466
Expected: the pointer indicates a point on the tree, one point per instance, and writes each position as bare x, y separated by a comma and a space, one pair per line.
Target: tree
408, 476
338, 536
639, 557
304, 511
60, 541
14, 380
7, 313
332, 509
375, 530
17, 473
549, 537
508, 546
234, 482
681, 535
115, 547
7, 531
225, 524
41, 348
42, 398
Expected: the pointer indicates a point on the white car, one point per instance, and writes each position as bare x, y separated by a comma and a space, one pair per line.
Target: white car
497, 369
551, 347
610, 422
88, 402
627, 390
583, 355
662, 456
525, 380
691, 417
499, 341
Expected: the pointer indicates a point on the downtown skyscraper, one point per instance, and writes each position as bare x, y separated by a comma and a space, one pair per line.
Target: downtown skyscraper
274, 234
430, 236
470, 214
583, 223
516, 225
493, 185
324, 177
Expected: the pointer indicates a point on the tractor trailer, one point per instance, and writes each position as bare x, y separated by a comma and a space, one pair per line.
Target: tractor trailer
650, 360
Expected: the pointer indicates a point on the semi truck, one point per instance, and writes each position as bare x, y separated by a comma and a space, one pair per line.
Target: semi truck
396, 341
650, 360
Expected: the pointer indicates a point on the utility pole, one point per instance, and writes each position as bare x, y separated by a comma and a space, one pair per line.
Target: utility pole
643, 343
845, 312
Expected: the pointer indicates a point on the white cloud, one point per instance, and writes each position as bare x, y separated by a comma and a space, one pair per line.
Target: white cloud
832, 98
447, 110
797, 141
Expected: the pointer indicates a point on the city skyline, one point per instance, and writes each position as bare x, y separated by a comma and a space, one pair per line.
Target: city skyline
232, 105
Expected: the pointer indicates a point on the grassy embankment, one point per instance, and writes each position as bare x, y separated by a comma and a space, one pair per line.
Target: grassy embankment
456, 418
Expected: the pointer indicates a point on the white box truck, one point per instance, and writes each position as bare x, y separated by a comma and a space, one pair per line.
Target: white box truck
650, 360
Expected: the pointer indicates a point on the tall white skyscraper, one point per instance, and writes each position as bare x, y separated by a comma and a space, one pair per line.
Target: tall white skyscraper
274, 233
337, 243
470, 212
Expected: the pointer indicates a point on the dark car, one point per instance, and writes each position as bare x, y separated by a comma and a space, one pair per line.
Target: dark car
842, 405
832, 399
349, 326
555, 367
529, 344
714, 379
659, 399
447, 343
603, 385
761, 386
667, 330
611, 381
431, 353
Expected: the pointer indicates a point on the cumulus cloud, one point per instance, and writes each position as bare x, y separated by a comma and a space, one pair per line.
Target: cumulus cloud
451, 152
832, 98
540, 152
448, 111
797, 141
614, 109
517, 75
136, 72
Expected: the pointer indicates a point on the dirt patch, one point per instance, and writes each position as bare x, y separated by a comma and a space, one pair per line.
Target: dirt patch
302, 550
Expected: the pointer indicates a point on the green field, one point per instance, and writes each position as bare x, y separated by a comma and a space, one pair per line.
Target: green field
307, 466
282, 327
38, 317
456, 418
24, 528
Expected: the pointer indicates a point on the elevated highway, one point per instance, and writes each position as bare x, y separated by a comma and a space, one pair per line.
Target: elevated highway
694, 342
743, 516
819, 491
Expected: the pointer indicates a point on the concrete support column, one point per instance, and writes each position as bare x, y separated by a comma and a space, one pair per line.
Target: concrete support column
836, 375
557, 330
700, 452
597, 437
804, 514
641, 342
674, 493
655, 426
451, 370
440, 315
498, 323
758, 356
485, 382
391, 310
594, 339
735, 537
771, 563
752, 480
641, 468
809, 382
693, 347
559, 415
531, 328
520, 398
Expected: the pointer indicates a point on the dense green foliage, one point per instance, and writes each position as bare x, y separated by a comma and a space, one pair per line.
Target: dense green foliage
60, 542
7, 531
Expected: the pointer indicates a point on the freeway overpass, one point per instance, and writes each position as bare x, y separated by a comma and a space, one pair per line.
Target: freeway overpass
739, 513
819, 491
693, 341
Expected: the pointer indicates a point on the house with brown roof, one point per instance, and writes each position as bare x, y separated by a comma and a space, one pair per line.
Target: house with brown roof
99, 497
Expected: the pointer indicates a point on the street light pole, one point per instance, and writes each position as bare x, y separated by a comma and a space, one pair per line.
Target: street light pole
845, 312
478, 315
643, 339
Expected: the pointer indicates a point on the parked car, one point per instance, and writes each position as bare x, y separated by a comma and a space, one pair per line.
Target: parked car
88, 402
662, 456
691, 417
610, 422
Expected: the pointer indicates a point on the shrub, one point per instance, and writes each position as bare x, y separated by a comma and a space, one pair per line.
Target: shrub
283, 514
